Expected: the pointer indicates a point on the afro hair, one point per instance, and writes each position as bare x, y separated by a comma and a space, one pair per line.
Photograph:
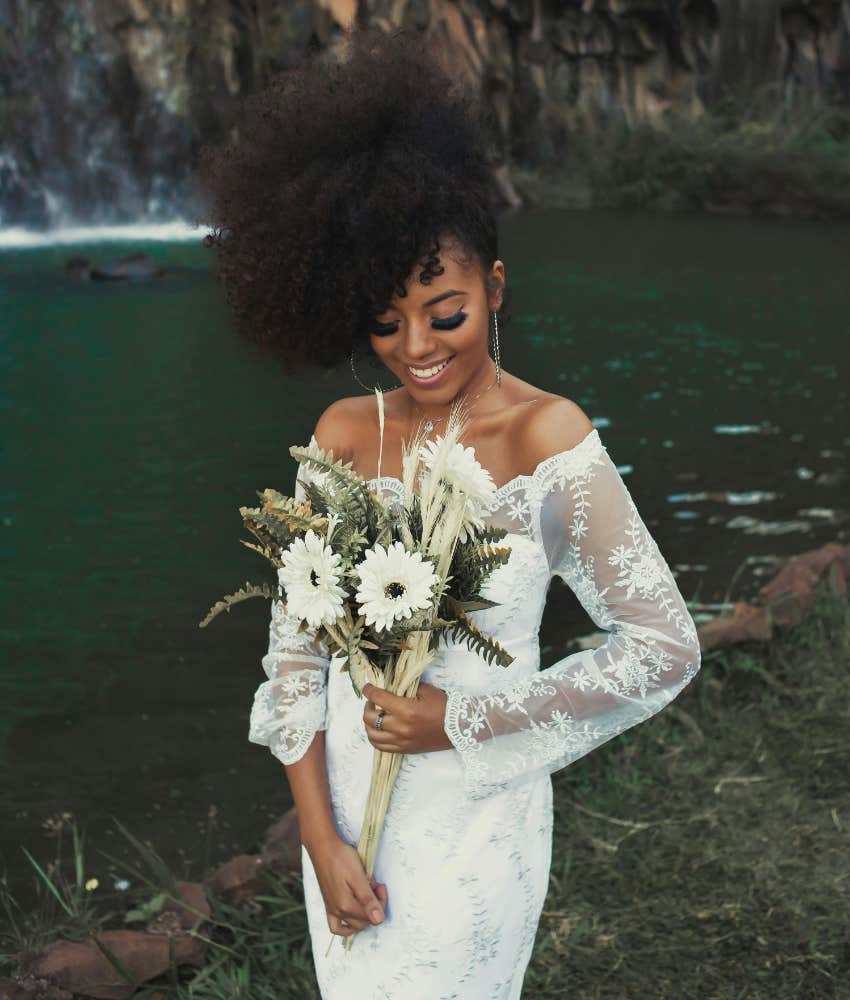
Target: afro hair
346, 173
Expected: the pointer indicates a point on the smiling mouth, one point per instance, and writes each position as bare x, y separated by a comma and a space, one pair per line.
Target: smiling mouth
429, 372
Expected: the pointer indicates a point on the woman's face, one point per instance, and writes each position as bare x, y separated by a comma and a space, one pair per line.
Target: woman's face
435, 339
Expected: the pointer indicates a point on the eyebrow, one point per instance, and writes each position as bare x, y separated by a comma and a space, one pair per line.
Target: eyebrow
438, 298
445, 295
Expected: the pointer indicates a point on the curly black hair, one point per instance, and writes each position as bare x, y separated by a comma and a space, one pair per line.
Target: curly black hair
347, 171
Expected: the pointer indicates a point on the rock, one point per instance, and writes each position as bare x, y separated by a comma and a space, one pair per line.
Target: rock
133, 266
110, 133
281, 848
80, 966
237, 880
744, 625
791, 592
197, 906
506, 187
784, 599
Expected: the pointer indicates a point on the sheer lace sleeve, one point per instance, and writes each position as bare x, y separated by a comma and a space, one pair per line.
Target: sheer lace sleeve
291, 705
596, 541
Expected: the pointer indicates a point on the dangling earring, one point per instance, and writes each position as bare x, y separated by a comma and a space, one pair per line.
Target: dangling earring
497, 353
359, 381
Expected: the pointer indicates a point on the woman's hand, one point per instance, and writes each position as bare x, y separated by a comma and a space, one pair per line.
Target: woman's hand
349, 896
410, 725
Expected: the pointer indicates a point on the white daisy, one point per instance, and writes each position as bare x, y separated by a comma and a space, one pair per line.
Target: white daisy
393, 584
465, 474
310, 575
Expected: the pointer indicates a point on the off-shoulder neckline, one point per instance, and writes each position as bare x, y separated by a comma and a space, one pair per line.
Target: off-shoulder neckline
588, 444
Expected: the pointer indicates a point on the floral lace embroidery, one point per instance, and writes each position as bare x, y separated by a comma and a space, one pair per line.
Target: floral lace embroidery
466, 849
638, 670
543, 721
291, 705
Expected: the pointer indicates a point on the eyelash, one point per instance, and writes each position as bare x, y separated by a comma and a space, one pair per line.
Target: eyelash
451, 323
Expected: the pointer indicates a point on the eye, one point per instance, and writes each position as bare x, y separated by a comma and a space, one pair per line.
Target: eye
383, 329
452, 323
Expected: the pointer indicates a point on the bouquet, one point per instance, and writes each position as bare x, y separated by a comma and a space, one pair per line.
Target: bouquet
380, 582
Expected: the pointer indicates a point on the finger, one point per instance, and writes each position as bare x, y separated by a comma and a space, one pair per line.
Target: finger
336, 926
381, 893
385, 699
354, 921
386, 743
369, 901
390, 734
388, 722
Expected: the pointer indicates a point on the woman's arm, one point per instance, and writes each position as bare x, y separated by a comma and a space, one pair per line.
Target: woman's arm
595, 540
289, 716
308, 779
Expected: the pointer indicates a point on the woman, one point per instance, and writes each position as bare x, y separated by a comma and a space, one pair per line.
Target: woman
356, 212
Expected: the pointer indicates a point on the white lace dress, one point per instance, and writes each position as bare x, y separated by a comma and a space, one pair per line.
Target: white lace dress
466, 850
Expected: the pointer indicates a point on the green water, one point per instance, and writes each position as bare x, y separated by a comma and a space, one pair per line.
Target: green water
711, 353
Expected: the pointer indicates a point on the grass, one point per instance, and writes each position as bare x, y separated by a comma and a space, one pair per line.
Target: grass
248, 946
700, 855
760, 157
705, 854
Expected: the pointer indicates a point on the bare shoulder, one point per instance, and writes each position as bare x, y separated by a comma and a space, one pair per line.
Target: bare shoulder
554, 424
343, 422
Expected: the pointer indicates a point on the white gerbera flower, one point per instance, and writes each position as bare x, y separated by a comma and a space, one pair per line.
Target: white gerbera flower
465, 474
393, 584
310, 575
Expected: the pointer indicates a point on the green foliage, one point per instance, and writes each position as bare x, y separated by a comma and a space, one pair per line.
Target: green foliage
349, 491
364, 520
464, 631
760, 156
349, 537
489, 534
341, 507
474, 561
721, 160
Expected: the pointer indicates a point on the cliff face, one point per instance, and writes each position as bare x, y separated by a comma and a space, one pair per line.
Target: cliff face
103, 103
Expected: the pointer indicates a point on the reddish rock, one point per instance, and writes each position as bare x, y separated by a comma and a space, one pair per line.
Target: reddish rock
281, 848
784, 600
744, 625
196, 908
791, 592
80, 966
237, 880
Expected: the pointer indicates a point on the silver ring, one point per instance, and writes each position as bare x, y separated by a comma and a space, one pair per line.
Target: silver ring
379, 718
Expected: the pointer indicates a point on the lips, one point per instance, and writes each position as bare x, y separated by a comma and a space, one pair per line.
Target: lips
429, 374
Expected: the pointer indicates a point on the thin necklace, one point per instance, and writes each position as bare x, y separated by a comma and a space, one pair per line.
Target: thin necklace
431, 424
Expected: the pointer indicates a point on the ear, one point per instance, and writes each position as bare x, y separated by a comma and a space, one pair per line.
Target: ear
494, 297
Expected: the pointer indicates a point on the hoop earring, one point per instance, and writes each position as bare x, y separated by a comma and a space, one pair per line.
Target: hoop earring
360, 382
497, 352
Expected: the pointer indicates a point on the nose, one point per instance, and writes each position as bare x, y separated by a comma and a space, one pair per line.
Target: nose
420, 343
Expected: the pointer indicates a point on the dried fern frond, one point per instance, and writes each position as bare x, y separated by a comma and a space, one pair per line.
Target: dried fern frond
243, 594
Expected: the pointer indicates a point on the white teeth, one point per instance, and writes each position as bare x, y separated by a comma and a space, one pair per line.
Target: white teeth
428, 372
